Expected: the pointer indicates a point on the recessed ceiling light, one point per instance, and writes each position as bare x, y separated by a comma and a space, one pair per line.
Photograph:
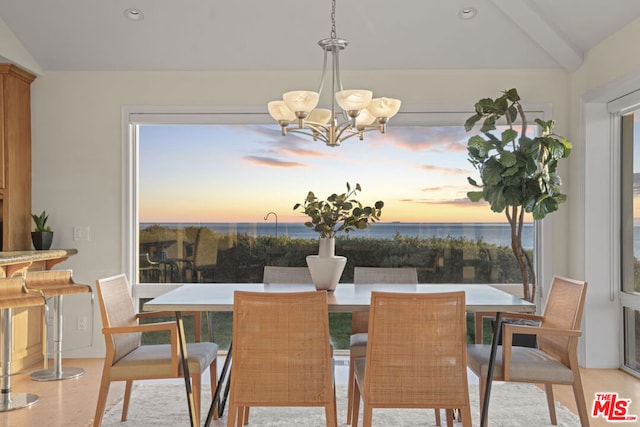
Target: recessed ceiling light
467, 13
134, 14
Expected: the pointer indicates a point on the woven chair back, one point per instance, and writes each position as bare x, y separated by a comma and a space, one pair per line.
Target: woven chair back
117, 309
374, 275
563, 310
281, 349
416, 353
395, 275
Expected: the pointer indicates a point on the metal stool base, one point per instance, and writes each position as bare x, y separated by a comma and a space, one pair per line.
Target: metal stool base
52, 375
17, 401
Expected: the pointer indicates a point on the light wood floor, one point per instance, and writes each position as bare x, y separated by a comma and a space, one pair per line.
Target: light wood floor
71, 403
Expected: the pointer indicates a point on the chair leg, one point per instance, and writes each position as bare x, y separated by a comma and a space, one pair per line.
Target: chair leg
350, 386
232, 412
335, 404
578, 393
331, 414
213, 377
196, 384
125, 401
356, 405
483, 386
367, 415
105, 382
243, 414
465, 416
449, 413
437, 414
548, 388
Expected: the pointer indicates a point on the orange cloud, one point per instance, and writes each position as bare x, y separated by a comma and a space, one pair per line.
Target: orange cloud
447, 171
303, 152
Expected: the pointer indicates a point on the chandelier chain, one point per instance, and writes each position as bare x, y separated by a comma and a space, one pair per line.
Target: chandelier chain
333, 19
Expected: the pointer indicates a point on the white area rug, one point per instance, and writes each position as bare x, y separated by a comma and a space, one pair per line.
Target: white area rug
164, 404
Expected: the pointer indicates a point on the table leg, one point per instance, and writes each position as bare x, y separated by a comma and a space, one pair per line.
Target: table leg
218, 398
182, 343
497, 328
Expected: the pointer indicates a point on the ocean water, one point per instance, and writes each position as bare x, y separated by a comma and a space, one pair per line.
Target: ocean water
492, 233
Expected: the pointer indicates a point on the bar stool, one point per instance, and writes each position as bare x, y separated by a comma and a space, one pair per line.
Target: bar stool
13, 295
55, 284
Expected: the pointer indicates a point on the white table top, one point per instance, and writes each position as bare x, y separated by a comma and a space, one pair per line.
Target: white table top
346, 298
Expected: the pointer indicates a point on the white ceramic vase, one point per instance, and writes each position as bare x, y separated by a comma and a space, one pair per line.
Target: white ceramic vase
326, 268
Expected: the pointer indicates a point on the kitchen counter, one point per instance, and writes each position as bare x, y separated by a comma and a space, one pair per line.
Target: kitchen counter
16, 262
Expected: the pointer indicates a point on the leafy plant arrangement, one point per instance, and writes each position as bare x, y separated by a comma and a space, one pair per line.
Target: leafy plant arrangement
339, 212
41, 222
517, 172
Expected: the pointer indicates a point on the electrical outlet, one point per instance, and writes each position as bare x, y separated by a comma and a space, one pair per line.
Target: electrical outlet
82, 323
81, 233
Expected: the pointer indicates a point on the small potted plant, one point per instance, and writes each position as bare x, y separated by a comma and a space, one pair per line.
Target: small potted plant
42, 236
339, 212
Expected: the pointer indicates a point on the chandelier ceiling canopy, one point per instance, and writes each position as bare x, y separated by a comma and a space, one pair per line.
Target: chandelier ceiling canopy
360, 111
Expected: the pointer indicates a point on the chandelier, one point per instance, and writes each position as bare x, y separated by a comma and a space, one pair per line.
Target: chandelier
360, 111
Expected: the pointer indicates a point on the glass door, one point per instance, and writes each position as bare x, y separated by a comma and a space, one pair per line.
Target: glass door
630, 222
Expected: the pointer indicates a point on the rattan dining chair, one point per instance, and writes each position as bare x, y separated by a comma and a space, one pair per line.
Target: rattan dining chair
127, 359
555, 361
281, 353
286, 275
416, 355
360, 320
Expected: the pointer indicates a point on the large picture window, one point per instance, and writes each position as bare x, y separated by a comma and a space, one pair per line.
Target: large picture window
213, 202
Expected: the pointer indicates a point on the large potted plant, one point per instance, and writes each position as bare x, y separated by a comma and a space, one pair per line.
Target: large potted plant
338, 213
517, 172
42, 236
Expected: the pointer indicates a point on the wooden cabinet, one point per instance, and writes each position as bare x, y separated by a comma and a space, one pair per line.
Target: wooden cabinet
15, 157
15, 200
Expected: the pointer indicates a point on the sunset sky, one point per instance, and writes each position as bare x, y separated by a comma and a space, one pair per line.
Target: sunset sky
224, 173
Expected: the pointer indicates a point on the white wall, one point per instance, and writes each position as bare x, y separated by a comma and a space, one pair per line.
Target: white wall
610, 70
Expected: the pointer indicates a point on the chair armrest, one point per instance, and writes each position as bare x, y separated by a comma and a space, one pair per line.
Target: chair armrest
170, 327
196, 319
146, 327
506, 315
507, 339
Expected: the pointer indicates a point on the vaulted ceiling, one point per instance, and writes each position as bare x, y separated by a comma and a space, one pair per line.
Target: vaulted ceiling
283, 34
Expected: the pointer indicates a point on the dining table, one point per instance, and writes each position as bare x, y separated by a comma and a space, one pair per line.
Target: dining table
212, 297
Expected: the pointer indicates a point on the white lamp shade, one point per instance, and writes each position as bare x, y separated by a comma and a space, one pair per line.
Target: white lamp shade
384, 107
365, 118
354, 99
301, 100
320, 116
279, 111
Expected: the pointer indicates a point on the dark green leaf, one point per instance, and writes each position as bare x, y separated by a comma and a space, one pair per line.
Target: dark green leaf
474, 196
471, 122
509, 135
